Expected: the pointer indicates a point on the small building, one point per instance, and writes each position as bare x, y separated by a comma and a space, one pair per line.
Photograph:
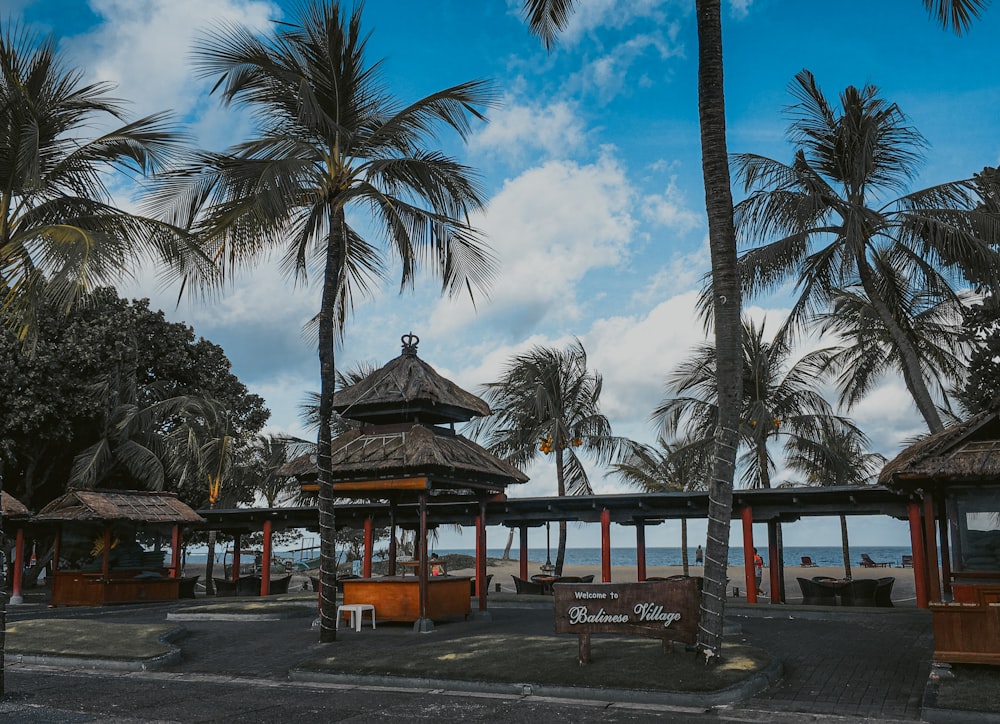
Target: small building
953, 481
102, 541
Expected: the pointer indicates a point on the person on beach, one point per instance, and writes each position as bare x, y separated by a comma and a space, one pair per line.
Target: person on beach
758, 569
699, 557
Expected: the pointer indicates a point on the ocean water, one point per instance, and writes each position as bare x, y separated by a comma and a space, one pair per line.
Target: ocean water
655, 556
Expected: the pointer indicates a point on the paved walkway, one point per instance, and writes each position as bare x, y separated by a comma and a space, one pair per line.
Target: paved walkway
861, 666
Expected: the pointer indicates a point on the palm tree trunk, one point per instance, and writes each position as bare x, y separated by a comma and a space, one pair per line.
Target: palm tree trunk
210, 564
684, 545
325, 503
510, 542
726, 314
845, 546
913, 375
561, 491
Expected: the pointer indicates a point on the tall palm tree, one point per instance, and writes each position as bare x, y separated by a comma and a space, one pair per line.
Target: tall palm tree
330, 139
61, 233
546, 18
826, 221
932, 323
668, 467
547, 401
839, 458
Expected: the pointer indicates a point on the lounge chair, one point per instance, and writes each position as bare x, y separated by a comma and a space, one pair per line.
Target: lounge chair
859, 593
907, 562
867, 562
883, 592
807, 562
817, 593
528, 587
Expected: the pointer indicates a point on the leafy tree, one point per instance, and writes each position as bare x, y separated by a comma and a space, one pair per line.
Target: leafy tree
981, 392
547, 401
827, 223
330, 138
107, 354
61, 234
546, 18
668, 467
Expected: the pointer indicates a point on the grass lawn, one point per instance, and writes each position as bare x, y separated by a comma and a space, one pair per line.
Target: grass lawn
67, 637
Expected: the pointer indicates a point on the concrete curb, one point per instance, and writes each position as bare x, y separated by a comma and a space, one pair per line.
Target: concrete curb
170, 658
731, 695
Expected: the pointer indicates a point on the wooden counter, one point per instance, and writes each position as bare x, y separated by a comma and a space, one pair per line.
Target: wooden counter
397, 598
84, 588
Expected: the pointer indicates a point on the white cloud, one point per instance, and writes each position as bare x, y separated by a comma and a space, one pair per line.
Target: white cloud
517, 128
670, 209
609, 74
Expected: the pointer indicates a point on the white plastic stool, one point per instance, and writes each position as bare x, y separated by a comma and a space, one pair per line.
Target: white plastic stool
357, 611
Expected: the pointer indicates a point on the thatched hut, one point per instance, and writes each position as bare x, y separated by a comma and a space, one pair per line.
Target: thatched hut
953, 478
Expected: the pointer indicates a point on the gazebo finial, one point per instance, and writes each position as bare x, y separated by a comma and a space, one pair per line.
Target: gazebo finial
410, 342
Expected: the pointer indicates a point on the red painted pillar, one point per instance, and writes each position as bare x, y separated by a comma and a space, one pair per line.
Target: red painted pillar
774, 561
366, 566
481, 587
524, 553
640, 550
919, 554
606, 546
18, 575
175, 552
750, 576
236, 557
265, 562
930, 539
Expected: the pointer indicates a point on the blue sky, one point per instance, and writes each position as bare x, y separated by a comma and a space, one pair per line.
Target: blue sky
592, 165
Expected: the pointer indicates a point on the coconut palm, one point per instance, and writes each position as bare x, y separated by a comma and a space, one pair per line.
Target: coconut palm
546, 18
331, 140
839, 458
668, 467
781, 401
547, 401
931, 322
61, 233
831, 216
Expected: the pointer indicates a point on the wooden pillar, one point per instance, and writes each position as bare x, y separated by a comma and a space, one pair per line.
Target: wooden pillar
392, 538
481, 586
749, 574
265, 563
17, 575
942, 518
366, 566
930, 540
55, 549
640, 550
236, 557
774, 559
523, 529
919, 554
423, 624
106, 557
175, 551
606, 546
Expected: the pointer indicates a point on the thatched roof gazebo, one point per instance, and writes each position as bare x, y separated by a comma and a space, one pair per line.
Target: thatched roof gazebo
11, 507
403, 448
955, 476
97, 530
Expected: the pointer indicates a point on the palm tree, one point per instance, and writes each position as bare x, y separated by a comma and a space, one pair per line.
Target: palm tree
546, 18
839, 458
330, 139
60, 233
932, 323
547, 401
668, 467
826, 220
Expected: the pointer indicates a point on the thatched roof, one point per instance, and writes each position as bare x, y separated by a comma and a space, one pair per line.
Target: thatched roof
12, 507
406, 451
408, 389
967, 452
118, 505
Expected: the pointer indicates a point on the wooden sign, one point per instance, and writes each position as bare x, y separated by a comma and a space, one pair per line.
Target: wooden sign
667, 610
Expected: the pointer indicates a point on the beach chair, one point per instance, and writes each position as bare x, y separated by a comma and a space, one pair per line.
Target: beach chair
867, 562
907, 562
807, 562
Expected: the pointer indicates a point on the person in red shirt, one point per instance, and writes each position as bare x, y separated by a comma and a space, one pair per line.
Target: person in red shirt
758, 569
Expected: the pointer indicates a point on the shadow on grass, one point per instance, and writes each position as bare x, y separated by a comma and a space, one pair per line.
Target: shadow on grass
971, 687
92, 639
620, 663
